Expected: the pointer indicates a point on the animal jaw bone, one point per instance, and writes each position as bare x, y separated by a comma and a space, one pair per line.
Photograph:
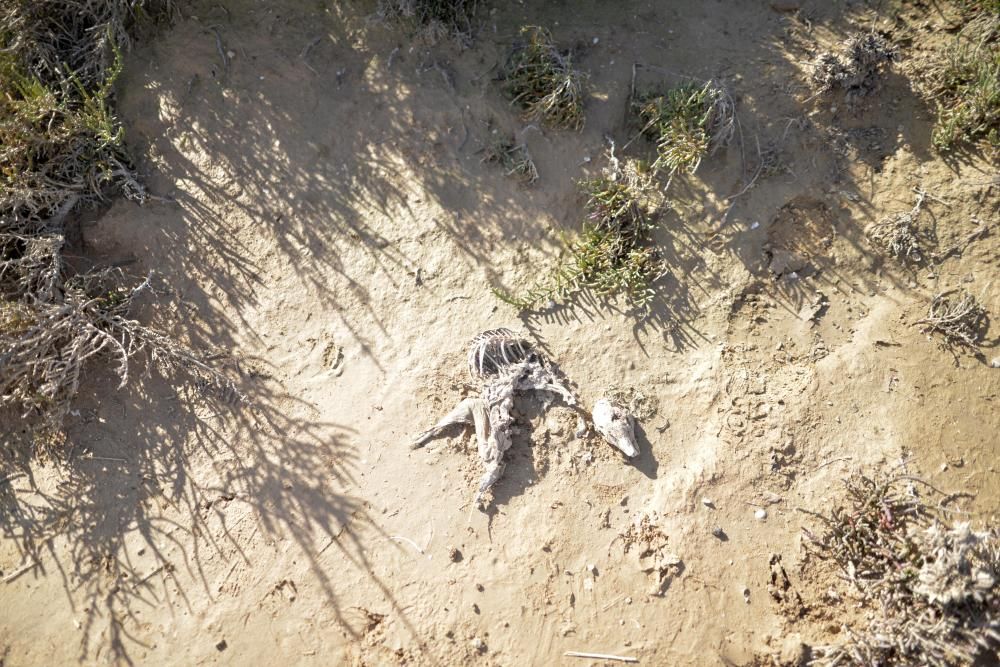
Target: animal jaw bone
616, 425
510, 366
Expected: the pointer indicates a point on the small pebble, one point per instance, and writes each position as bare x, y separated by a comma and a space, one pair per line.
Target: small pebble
746, 595
760, 514
454, 554
593, 569
995, 363
596, 40
479, 645
719, 533
708, 502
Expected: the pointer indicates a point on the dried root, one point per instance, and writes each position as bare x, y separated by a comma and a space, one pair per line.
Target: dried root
932, 588
958, 318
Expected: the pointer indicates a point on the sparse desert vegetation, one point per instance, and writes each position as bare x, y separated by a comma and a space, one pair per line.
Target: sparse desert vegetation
931, 581
762, 259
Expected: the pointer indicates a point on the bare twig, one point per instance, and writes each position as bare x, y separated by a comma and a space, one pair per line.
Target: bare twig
599, 656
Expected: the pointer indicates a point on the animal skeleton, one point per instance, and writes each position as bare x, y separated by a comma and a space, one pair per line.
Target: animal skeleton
508, 365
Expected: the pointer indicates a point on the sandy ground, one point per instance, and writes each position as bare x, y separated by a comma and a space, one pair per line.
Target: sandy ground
335, 230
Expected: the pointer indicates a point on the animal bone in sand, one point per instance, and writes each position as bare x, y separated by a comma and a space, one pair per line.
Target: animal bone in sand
616, 425
508, 365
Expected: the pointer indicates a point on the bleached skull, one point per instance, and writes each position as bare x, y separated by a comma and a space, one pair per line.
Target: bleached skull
616, 425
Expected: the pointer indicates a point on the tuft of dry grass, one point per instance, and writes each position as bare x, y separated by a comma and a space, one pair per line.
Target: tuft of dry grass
541, 79
899, 235
686, 123
932, 588
513, 158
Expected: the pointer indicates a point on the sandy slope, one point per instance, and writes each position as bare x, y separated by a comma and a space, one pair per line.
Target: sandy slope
335, 230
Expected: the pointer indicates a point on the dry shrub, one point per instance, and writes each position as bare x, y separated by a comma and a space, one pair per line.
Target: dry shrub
858, 68
61, 147
434, 19
931, 586
899, 235
958, 318
514, 158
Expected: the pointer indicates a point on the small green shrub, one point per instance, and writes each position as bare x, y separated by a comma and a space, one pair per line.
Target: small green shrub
965, 86
541, 79
685, 123
614, 254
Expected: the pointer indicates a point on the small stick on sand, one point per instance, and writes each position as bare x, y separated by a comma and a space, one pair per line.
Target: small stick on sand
19, 571
400, 538
599, 656
104, 458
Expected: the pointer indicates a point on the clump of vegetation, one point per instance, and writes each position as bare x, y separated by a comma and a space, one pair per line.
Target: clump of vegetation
61, 147
686, 123
958, 318
899, 236
858, 68
932, 587
615, 254
514, 158
965, 85
541, 79
435, 18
